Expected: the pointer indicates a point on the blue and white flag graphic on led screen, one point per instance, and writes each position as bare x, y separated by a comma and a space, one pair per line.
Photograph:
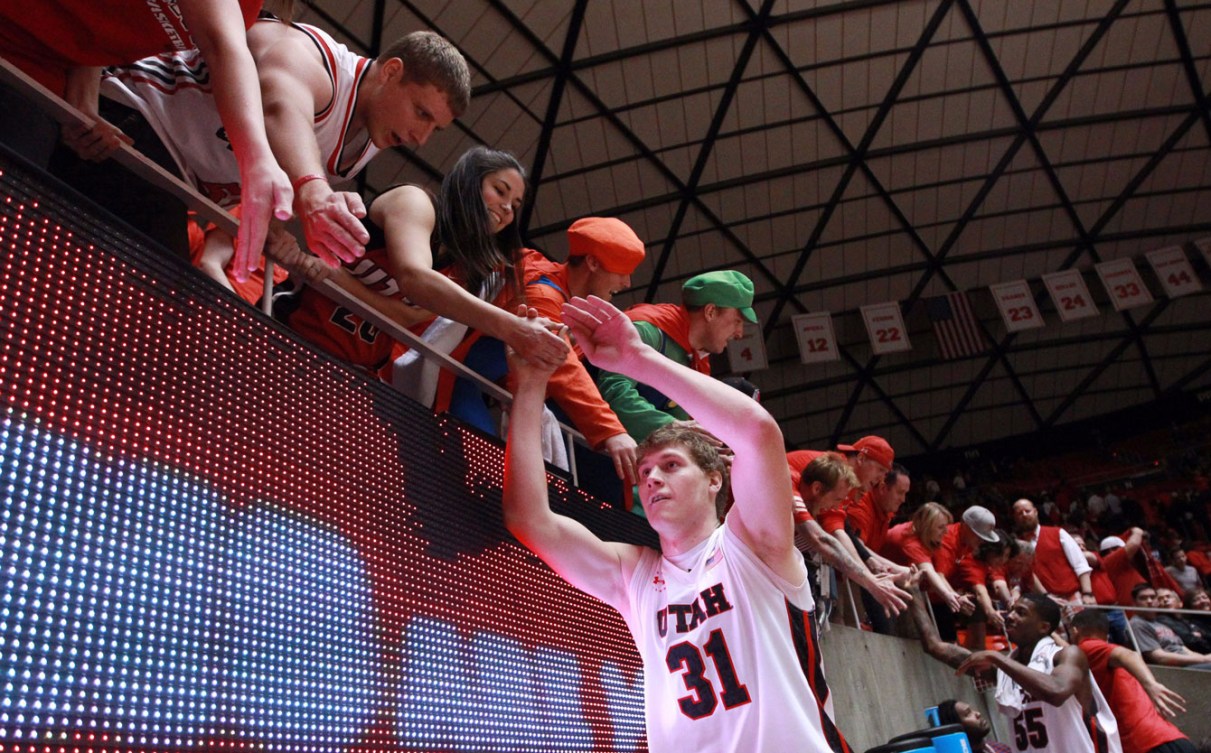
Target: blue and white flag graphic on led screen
107, 613
135, 603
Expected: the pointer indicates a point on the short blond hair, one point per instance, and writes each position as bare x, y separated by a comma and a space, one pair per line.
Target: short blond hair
700, 450
829, 469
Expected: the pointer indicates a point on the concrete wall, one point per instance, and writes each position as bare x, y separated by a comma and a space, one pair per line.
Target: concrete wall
1195, 686
882, 685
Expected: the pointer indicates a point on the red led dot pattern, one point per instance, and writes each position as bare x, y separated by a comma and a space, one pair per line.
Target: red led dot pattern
138, 358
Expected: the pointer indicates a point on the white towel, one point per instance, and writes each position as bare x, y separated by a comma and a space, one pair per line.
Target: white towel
554, 442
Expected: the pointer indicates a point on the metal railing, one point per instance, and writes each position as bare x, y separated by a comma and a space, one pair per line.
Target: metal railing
1151, 610
131, 159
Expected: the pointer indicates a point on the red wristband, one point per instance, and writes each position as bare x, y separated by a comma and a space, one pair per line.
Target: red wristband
302, 180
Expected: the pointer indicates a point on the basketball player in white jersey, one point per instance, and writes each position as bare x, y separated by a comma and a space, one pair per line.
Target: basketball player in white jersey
720, 613
1044, 690
327, 112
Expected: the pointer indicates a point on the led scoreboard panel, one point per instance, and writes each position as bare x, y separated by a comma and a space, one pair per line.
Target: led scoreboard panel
215, 538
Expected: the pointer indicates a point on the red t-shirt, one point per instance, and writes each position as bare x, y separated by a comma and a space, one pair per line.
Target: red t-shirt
970, 572
1140, 725
864, 517
46, 37
1118, 569
903, 547
1103, 586
952, 549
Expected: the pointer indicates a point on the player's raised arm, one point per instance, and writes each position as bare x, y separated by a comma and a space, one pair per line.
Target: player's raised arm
760, 479
601, 569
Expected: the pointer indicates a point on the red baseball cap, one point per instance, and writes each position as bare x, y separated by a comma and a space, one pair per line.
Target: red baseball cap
875, 448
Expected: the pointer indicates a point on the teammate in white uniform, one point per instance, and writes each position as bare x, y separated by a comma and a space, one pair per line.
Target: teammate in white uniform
720, 614
327, 112
1044, 726
1051, 702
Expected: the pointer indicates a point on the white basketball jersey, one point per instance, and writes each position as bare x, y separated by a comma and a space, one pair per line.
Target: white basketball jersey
1039, 726
730, 657
173, 91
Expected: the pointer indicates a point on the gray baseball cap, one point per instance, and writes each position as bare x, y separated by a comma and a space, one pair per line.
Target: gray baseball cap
982, 521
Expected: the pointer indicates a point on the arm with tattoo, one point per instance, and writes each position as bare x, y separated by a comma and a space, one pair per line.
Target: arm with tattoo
832, 552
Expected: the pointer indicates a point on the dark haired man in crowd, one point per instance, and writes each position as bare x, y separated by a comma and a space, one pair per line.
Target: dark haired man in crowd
1135, 697
1157, 642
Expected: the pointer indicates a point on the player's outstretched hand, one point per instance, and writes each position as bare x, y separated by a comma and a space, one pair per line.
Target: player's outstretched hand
332, 222
604, 334
978, 662
891, 597
265, 195
1166, 701
530, 370
538, 339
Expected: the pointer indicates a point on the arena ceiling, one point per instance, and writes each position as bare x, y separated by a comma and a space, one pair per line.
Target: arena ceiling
851, 153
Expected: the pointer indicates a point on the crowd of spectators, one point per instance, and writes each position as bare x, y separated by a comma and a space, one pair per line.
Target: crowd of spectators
1125, 560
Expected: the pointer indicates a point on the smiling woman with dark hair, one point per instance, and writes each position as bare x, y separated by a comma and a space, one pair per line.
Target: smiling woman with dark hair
450, 258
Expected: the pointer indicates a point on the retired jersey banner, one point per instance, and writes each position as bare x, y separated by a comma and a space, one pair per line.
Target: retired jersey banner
1123, 284
1070, 295
885, 325
748, 353
817, 340
1174, 271
1017, 306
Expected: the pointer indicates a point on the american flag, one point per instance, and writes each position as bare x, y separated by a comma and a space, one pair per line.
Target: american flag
955, 325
